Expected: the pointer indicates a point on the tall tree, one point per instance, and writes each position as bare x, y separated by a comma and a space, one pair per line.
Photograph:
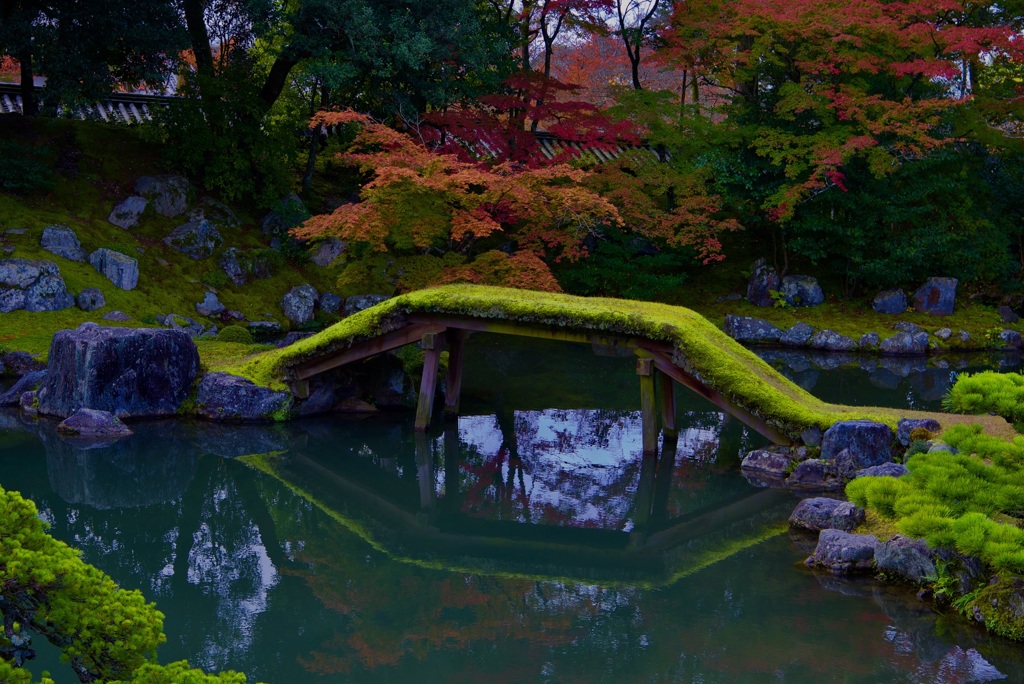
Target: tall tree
85, 49
636, 19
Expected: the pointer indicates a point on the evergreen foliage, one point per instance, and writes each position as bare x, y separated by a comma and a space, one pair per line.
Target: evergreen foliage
958, 500
104, 631
988, 392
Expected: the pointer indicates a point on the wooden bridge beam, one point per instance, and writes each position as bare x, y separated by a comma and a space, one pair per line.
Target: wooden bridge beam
665, 365
432, 344
364, 350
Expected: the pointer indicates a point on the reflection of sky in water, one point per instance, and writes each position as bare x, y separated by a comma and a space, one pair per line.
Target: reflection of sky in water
577, 467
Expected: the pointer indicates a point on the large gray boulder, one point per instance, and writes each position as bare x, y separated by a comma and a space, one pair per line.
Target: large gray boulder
906, 558
32, 286
233, 267
830, 340
26, 383
884, 470
869, 443
801, 290
92, 423
905, 344
230, 398
763, 279
822, 513
126, 213
129, 372
1011, 340
90, 299
890, 302
797, 336
936, 297
908, 425
170, 195
843, 553
330, 303
210, 306
120, 269
299, 304
747, 329
325, 252
357, 303
63, 242
196, 239
814, 473
776, 461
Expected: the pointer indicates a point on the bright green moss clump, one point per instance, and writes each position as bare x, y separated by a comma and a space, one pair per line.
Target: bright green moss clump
707, 353
988, 392
962, 501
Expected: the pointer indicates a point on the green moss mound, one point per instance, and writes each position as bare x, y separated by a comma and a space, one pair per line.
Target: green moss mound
235, 333
700, 347
971, 501
988, 392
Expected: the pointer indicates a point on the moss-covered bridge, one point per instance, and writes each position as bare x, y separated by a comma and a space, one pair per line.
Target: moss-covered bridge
672, 344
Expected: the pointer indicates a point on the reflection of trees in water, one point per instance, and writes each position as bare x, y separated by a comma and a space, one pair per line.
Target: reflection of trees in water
581, 467
199, 546
392, 615
558, 467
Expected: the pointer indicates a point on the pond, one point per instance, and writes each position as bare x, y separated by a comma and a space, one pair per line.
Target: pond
527, 542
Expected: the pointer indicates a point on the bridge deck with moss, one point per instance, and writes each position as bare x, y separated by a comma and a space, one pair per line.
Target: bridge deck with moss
672, 344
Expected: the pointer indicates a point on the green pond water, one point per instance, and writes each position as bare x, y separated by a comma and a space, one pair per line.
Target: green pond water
528, 542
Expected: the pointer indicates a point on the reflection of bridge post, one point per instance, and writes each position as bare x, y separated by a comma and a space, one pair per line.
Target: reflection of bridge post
648, 405
663, 478
425, 471
652, 490
452, 479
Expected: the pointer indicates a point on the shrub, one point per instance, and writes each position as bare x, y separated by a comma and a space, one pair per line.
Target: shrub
235, 333
988, 392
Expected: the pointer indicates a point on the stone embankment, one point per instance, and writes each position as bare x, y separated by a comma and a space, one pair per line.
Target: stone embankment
846, 545
936, 297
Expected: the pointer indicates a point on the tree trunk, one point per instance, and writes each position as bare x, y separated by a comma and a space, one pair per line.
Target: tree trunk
199, 37
29, 105
277, 78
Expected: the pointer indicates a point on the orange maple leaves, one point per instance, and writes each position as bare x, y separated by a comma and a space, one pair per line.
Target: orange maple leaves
419, 199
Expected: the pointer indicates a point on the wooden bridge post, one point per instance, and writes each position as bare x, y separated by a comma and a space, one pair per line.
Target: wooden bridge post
668, 405
648, 405
453, 381
431, 344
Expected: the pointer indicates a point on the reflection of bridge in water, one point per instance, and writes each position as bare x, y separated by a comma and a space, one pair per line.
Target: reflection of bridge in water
471, 512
